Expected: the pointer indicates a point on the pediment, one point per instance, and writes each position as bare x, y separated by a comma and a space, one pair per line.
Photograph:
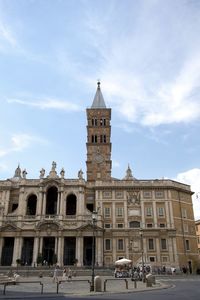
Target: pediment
9, 227
50, 224
89, 227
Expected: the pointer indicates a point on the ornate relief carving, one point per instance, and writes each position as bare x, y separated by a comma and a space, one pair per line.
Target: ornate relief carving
133, 197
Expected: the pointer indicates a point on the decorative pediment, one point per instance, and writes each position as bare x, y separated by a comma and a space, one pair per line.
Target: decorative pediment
89, 227
9, 227
48, 225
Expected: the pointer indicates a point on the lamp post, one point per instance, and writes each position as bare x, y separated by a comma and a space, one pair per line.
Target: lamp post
94, 221
142, 251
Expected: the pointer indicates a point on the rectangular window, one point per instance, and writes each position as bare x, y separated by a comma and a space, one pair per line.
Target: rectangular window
120, 244
119, 211
164, 259
149, 211
159, 194
161, 211
151, 244
107, 244
149, 225
185, 227
152, 258
107, 225
147, 194
107, 212
187, 244
184, 213
120, 225
163, 244
162, 225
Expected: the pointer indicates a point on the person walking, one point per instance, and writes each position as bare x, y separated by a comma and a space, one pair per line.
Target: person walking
55, 274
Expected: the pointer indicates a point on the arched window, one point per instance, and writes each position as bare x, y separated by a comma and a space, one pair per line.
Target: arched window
71, 205
134, 224
31, 205
51, 203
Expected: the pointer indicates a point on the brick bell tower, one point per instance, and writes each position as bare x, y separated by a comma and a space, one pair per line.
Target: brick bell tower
98, 144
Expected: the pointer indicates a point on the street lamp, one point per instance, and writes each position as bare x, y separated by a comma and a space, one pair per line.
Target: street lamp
94, 221
142, 251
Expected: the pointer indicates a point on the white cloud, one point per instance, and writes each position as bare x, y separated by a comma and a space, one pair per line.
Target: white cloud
19, 142
115, 164
192, 177
6, 35
48, 103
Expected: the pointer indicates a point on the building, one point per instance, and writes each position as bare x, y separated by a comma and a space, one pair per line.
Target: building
50, 218
197, 223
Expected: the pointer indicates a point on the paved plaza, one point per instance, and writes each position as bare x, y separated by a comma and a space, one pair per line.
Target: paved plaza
33, 286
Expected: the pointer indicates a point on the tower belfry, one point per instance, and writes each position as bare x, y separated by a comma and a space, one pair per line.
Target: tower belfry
98, 139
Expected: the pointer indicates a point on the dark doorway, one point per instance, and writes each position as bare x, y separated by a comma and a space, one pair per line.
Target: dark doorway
87, 251
51, 204
31, 205
90, 207
7, 251
48, 251
71, 205
27, 251
69, 251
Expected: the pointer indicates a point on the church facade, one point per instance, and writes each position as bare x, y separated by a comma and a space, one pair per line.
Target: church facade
50, 218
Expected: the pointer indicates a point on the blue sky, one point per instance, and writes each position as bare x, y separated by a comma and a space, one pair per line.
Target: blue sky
147, 56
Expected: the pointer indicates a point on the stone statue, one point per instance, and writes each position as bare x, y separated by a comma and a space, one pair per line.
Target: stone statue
53, 166
42, 173
80, 174
24, 173
62, 173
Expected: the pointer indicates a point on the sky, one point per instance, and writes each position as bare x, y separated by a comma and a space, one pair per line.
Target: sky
146, 53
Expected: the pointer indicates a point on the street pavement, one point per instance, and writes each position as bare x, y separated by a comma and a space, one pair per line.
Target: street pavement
80, 286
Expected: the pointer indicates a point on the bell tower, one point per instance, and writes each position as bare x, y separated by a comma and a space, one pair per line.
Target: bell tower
98, 144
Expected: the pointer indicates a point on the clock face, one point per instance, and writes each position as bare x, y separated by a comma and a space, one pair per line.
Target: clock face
98, 158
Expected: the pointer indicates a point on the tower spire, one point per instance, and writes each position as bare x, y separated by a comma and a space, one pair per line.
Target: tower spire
98, 101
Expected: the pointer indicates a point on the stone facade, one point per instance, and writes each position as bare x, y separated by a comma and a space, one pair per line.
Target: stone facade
49, 219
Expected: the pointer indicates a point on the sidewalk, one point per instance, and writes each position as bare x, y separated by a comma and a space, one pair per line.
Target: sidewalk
79, 286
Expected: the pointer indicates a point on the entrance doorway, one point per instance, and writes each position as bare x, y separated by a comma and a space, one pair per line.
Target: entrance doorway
7, 251
87, 251
48, 251
69, 250
27, 251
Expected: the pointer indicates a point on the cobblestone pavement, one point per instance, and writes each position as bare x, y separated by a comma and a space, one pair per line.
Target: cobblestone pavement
78, 286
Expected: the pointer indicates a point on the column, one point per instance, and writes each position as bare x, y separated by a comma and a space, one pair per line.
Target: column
127, 246
155, 214
145, 249
114, 249
167, 214
61, 212
35, 250
44, 204
142, 215
40, 244
79, 251
60, 251
99, 251
125, 215
22, 203
1, 246
58, 204
171, 214
158, 250
17, 250
39, 204
113, 215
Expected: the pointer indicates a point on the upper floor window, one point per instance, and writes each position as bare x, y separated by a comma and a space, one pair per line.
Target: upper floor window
107, 244
151, 244
163, 244
119, 211
149, 211
120, 244
161, 211
134, 224
103, 122
94, 139
184, 213
120, 225
103, 138
107, 212
94, 122
187, 245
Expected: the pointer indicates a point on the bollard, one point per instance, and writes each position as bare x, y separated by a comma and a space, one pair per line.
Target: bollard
135, 284
97, 284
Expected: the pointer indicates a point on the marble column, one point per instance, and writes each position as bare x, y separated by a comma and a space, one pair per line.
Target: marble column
35, 250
